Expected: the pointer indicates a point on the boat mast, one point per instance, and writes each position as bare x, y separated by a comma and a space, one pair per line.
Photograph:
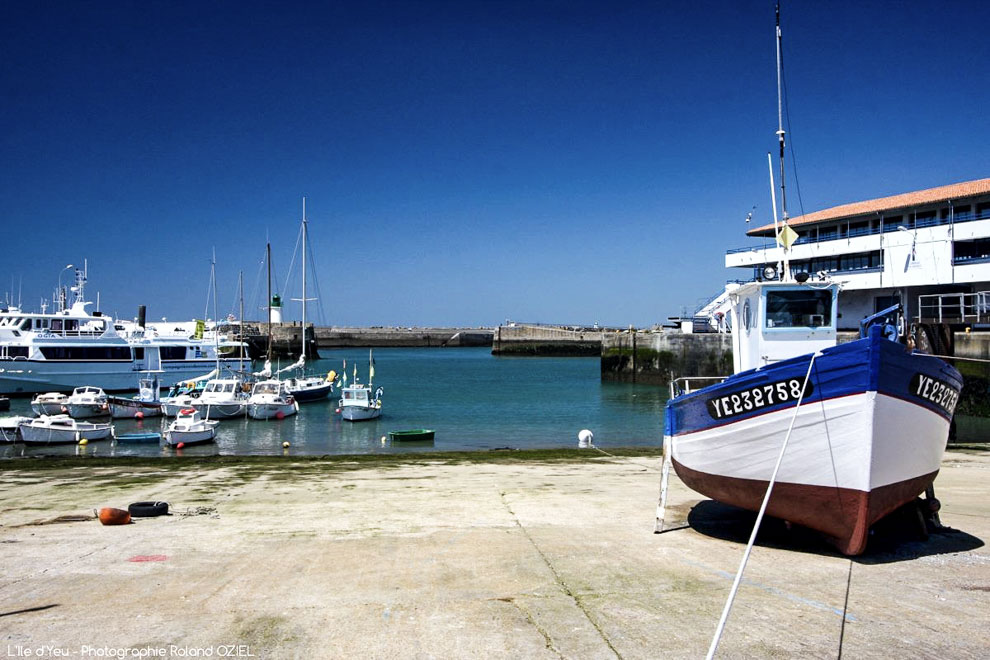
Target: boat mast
304, 281
268, 262
216, 321
786, 275
240, 325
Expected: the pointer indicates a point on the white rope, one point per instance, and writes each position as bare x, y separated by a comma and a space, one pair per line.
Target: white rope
759, 519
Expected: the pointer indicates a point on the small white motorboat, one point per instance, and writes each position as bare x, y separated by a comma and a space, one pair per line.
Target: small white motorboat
357, 403
145, 404
270, 399
223, 398
86, 402
9, 428
50, 403
189, 428
62, 429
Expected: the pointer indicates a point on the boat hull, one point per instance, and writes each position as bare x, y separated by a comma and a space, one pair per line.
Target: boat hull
48, 408
129, 408
173, 438
86, 410
359, 413
415, 435
272, 410
37, 376
220, 410
306, 394
868, 437
139, 438
39, 435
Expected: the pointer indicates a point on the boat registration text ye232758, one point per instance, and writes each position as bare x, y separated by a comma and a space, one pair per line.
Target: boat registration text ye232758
935, 391
756, 398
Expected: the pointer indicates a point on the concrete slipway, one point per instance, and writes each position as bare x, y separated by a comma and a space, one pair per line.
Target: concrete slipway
490, 557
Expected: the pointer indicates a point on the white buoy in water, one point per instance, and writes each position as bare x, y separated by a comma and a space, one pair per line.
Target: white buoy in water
585, 438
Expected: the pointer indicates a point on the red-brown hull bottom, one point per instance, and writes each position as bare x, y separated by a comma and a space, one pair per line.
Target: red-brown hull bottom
842, 515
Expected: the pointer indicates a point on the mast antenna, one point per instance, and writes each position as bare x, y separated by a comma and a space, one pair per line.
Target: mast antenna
786, 274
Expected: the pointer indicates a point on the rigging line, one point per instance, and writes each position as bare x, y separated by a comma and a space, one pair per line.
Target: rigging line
759, 518
255, 292
828, 441
648, 467
292, 263
316, 284
790, 131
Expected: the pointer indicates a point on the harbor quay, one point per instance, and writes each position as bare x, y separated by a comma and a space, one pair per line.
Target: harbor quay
486, 554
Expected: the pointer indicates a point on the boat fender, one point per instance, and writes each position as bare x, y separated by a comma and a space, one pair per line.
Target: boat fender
279, 415
84, 442
147, 509
139, 415
111, 516
331, 376
285, 445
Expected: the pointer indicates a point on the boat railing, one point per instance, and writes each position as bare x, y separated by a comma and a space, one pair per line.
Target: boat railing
688, 384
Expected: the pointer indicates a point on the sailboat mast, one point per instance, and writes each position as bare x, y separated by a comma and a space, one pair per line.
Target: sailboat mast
268, 261
240, 333
304, 280
216, 320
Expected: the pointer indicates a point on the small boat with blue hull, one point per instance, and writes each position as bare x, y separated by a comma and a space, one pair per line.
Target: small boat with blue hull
870, 422
149, 437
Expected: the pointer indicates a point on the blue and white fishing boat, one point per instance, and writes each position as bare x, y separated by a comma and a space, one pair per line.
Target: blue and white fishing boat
870, 418
831, 437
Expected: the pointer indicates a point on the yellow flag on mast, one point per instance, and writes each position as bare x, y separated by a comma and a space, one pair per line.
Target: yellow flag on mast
787, 236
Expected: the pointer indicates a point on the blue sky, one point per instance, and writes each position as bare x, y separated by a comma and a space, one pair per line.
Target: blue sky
464, 162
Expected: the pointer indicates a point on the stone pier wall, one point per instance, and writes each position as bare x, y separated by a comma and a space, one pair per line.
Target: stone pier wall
656, 357
538, 340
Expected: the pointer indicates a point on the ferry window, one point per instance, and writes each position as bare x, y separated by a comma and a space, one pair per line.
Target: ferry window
138, 353
799, 309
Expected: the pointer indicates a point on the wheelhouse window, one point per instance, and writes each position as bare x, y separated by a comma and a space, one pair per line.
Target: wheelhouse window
799, 309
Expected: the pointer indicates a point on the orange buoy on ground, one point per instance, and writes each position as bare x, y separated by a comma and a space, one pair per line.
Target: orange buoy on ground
111, 516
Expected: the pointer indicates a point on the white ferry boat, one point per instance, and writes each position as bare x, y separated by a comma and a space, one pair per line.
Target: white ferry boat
59, 351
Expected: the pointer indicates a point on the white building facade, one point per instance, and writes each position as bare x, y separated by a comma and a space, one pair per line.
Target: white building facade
928, 250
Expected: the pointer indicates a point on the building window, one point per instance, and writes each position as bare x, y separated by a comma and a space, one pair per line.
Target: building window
891, 224
971, 251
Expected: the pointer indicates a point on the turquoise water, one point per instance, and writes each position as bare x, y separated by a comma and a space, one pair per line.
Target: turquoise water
473, 400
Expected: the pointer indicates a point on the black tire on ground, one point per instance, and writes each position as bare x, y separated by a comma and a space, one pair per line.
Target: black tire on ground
148, 509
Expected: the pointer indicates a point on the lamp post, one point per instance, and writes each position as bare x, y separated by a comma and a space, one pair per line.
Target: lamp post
61, 297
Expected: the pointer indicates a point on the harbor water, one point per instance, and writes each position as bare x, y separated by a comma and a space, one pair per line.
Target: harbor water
473, 400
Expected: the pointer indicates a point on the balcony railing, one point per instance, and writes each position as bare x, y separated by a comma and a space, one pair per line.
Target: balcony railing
812, 237
954, 307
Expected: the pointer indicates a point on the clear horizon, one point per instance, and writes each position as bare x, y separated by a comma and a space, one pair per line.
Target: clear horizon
464, 163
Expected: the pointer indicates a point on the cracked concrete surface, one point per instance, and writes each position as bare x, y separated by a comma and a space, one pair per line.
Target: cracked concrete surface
431, 559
